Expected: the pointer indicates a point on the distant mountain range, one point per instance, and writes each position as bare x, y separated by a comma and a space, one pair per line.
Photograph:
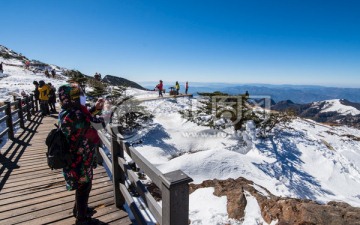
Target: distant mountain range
300, 94
296, 93
336, 111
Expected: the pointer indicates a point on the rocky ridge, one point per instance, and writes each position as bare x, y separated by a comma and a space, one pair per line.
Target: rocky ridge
286, 211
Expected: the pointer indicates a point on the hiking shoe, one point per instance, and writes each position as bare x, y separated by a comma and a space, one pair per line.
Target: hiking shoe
89, 221
89, 212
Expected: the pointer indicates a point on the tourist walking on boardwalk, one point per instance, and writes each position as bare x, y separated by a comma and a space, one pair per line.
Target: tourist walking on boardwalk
74, 120
52, 97
160, 88
177, 87
36, 91
44, 91
186, 87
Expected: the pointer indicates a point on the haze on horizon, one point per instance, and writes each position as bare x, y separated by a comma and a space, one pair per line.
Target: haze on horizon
260, 41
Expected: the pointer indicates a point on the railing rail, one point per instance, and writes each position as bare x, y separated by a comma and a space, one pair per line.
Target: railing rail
23, 107
174, 185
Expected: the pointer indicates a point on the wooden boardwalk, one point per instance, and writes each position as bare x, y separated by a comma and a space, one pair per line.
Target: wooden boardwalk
33, 194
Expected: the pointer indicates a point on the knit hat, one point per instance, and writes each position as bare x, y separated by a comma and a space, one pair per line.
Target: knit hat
69, 95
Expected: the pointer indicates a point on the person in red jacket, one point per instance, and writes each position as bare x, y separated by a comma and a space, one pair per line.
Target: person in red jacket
160, 88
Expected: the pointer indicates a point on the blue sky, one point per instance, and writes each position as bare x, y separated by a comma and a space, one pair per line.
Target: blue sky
232, 41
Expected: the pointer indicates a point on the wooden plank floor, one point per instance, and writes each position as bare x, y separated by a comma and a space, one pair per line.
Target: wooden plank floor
33, 194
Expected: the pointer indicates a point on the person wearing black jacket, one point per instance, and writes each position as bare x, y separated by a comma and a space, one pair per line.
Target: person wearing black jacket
36, 91
52, 98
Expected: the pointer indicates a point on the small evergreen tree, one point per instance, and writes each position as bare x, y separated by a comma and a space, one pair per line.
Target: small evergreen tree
76, 76
274, 118
128, 114
117, 95
99, 88
220, 110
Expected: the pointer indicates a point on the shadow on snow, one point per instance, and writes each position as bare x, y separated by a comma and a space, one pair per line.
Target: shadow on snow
287, 166
156, 138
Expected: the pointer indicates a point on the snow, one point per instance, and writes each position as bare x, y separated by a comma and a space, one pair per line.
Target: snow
335, 105
253, 212
295, 161
306, 159
18, 79
205, 208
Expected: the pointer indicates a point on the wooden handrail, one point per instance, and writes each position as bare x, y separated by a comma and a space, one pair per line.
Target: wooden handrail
20, 113
2, 108
9, 122
173, 185
23, 111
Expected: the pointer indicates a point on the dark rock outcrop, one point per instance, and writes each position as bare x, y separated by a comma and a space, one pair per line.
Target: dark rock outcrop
118, 81
288, 211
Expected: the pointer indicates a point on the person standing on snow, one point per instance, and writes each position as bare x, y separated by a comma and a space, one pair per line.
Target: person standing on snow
53, 73
1, 68
27, 64
160, 88
177, 87
47, 73
186, 87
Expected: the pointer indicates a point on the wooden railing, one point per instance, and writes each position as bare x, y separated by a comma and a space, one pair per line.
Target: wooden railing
23, 107
174, 185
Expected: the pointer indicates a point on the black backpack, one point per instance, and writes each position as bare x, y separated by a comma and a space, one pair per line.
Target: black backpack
58, 154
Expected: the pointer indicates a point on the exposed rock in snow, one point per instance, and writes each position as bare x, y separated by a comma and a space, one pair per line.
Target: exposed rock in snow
281, 209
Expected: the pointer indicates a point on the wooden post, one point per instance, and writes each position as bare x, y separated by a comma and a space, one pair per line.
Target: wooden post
15, 106
9, 122
20, 113
175, 197
116, 171
32, 99
27, 102
100, 159
37, 104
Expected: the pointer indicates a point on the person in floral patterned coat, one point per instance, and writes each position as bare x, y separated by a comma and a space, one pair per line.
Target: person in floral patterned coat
74, 120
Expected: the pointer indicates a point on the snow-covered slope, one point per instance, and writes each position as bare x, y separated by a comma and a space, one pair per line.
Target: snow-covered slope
16, 78
304, 160
336, 105
335, 111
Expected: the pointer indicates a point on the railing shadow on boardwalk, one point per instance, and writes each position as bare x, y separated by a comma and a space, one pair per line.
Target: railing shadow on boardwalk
16, 149
25, 199
31, 193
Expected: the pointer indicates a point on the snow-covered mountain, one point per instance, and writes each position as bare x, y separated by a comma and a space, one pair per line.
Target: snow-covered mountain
307, 160
16, 78
335, 111
119, 81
